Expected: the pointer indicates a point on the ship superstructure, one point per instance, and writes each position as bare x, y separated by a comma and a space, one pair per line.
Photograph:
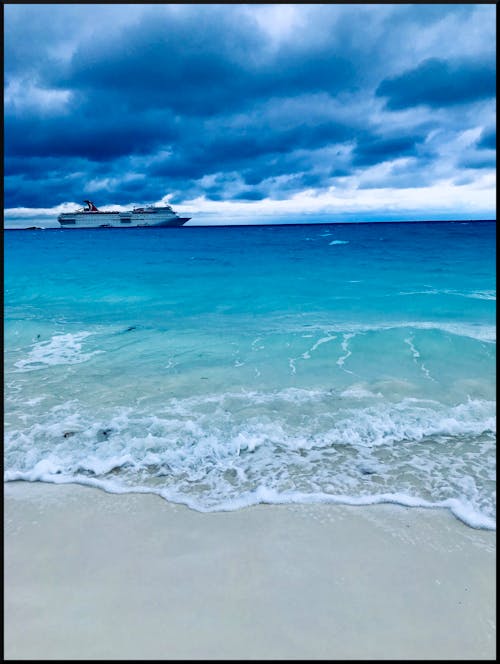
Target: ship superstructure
92, 217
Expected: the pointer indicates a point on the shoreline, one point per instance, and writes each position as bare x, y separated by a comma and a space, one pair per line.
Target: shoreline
104, 576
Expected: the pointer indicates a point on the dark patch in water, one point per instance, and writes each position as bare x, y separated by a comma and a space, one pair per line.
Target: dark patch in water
103, 434
86, 472
367, 471
158, 470
130, 328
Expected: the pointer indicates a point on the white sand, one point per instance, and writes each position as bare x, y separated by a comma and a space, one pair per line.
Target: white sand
93, 575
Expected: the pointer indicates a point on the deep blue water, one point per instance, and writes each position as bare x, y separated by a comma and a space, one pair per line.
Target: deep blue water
220, 367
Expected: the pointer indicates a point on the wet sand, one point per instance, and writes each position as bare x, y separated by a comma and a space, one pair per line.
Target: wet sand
90, 575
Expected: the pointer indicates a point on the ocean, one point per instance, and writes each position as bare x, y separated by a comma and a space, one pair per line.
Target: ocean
221, 367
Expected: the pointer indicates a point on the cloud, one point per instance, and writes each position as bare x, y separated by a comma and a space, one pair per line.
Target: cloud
87, 135
436, 83
476, 160
249, 104
488, 139
371, 151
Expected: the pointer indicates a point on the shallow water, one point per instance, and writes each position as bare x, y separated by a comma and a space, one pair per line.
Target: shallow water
221, 367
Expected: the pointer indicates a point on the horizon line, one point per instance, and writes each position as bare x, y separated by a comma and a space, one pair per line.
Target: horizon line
260, 225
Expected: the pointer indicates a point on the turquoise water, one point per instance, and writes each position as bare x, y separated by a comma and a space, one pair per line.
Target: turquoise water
222, 367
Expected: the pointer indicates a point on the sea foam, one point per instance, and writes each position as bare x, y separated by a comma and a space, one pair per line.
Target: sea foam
211, 459
60, 349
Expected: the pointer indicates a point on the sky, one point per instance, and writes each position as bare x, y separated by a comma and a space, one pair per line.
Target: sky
251, 113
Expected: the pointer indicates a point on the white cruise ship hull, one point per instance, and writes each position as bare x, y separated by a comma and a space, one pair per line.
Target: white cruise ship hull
154, 217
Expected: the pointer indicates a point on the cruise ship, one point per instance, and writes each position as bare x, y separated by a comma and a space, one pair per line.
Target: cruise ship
91, 217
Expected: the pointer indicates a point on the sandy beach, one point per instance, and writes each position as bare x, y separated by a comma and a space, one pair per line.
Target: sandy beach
101, 576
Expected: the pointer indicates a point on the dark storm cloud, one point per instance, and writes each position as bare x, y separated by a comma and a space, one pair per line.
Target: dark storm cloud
167, 61
275, 165
440, 83
253, 195
477, 160
376, 150
488, 139
200, 63
130, 103
238, 148
98, 138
